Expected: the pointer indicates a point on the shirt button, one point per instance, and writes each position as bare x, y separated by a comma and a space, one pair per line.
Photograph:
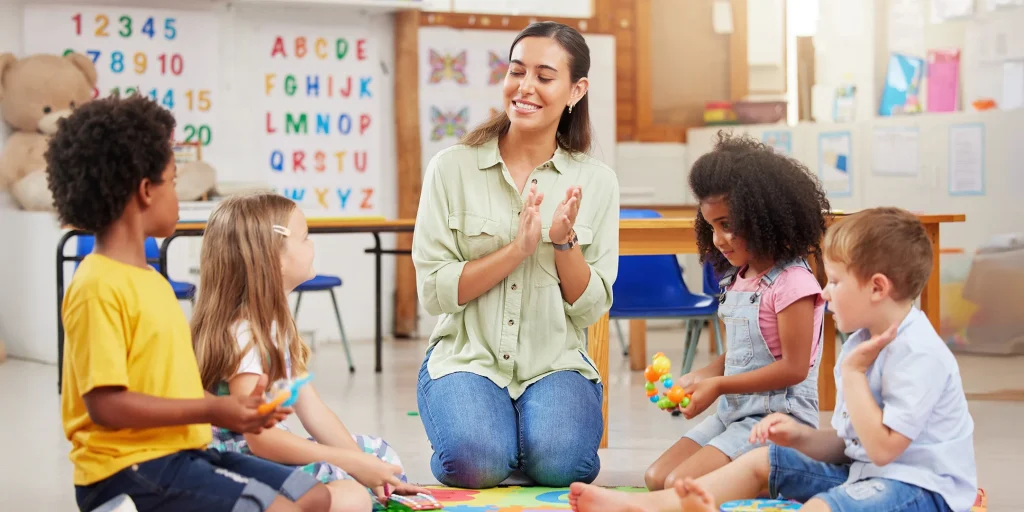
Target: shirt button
845, 415
506, 357
514, 287
511, 322
534, 181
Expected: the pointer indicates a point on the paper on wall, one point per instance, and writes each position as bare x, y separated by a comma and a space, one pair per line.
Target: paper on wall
895, 151
906, 27
1013, 85
967, 159
944, 10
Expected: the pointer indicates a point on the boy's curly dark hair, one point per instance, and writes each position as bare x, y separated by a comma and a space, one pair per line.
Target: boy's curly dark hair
775, 204
101, 153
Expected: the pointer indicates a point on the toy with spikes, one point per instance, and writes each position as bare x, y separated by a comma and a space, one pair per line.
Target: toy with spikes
674, 397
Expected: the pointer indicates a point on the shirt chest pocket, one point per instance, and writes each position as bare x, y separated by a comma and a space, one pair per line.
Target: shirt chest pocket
545, 255
476, 235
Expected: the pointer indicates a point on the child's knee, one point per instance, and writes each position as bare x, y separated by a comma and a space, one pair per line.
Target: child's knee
349, 496
317, 499
758, 461
654, 477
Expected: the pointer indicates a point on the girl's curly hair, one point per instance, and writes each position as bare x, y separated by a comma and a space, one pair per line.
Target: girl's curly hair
775, 204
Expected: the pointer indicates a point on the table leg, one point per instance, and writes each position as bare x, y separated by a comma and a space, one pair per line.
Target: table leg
597, 347
637, 344
378, 337
930, 295
826, 375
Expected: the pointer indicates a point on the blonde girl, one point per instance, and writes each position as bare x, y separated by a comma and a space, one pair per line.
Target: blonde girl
256, 250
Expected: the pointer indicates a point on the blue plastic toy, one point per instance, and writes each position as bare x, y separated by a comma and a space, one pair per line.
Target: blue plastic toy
283, 393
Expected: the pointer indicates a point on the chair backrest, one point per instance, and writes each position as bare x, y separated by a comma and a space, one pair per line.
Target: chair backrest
711, 279
86, 244
654, 281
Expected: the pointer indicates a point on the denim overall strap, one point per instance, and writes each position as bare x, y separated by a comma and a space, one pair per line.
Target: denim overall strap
746, 350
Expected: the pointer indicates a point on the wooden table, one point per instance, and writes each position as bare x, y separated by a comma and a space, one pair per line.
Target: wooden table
677, 236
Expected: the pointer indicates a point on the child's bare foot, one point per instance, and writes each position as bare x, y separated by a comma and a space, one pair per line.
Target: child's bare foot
585, 497
693, 497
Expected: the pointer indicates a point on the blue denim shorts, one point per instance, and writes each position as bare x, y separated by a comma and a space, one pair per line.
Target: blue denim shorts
798, 477
733, 439
200, 480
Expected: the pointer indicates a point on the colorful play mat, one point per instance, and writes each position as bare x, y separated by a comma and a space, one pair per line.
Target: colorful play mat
530, 499
508, 499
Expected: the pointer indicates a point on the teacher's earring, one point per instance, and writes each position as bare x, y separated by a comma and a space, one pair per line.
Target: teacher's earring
570, 108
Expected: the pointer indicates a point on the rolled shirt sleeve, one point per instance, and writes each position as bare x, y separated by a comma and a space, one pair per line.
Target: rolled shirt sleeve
435, 252
602, 255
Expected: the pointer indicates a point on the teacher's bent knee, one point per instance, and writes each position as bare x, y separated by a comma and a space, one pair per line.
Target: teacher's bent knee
471, 465
562, 467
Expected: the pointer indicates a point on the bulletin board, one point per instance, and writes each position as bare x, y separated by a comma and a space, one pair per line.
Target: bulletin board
461, 76
167, 55
318, 104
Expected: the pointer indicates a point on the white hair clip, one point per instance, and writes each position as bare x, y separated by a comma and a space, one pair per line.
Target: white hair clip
281, 230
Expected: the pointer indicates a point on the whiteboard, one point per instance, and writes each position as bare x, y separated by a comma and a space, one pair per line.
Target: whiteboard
461, 72
168, 55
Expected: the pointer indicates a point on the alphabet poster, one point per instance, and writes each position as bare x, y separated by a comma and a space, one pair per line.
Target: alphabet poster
319, 117
168, 55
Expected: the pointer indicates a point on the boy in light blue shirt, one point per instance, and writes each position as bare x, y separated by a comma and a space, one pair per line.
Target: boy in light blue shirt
901, 437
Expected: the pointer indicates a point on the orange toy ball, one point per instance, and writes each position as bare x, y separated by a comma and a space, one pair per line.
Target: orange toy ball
651, 375
676, 394
651, 392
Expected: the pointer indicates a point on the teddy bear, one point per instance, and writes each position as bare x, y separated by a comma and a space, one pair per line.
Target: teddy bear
35, 93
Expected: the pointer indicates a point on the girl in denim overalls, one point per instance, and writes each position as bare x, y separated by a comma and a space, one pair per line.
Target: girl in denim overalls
761, 216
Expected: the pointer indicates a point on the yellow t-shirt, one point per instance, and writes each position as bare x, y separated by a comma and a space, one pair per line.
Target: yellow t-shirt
124, 328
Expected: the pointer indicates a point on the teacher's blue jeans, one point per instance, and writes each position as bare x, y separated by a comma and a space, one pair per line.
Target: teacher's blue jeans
480, 435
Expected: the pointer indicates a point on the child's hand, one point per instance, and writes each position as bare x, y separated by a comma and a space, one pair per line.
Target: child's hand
702, 395
778, 428
405, 489
687, 381
862, 357
240, 414
373, 473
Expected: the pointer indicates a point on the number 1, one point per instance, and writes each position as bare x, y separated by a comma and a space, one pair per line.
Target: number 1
78, 23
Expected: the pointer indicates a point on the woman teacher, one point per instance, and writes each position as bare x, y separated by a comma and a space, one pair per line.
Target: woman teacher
516, 249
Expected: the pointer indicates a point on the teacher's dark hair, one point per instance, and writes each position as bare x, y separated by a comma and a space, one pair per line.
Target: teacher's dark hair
573, 129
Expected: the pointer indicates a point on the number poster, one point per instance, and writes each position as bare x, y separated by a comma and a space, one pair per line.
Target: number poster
169, 56
318, 112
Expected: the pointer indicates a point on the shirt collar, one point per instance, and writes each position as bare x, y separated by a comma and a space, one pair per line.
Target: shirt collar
863, 335
488, 155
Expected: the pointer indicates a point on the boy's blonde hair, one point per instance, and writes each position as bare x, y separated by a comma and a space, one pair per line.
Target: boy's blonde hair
240, 279
887, 241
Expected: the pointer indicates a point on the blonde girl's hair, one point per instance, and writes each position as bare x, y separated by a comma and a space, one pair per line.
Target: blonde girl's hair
240, 279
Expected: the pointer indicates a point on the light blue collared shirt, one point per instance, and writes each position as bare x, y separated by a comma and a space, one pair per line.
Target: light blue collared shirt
916, 382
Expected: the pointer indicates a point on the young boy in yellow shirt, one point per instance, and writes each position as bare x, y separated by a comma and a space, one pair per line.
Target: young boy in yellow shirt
132, 402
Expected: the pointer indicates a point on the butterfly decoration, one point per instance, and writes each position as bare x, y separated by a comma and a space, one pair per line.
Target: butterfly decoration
448, 67
448, 124
499, 67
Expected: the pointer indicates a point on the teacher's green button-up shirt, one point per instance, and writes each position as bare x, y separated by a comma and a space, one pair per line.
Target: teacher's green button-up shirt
522, 329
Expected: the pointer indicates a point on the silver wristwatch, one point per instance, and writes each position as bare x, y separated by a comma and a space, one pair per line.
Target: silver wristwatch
573, 242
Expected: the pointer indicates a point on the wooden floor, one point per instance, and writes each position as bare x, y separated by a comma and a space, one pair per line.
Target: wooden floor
36, 474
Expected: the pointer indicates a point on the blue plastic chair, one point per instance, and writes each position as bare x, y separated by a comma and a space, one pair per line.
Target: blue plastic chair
652, 287
326, 283
182, 290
